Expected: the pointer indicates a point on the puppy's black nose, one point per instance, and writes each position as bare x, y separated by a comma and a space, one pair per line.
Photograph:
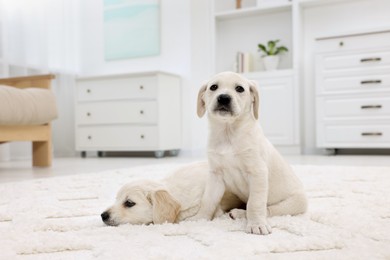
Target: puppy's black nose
224, 99
105, 215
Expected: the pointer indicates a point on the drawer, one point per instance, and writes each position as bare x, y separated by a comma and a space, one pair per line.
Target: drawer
356, 61
358, 134
117, 88
364, 82
353, 42
117, 112
116, 137
354, 107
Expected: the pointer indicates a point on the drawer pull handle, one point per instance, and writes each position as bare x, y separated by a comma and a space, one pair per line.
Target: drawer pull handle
141, 112
370, 59
88, 91
371, 107
371, 134
371, 82
88, 114
141, 87
341, 44
89, 137
142, 137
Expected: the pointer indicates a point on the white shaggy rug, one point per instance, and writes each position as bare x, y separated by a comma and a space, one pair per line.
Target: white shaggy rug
59, 218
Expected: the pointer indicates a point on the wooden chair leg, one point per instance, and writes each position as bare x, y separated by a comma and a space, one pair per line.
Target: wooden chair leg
42, 153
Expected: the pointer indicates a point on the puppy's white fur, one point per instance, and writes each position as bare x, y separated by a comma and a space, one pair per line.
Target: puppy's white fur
242, 160
172, 199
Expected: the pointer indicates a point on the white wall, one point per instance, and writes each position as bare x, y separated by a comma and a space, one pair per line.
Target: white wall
63, 127
175, 41
201, 69
332, 19
175, 51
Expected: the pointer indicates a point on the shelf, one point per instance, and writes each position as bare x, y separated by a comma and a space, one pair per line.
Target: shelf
353, 33
269, 74
264, 9
314, 3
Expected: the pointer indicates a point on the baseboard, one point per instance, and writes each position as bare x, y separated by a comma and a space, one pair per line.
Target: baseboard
344, 151
363, 151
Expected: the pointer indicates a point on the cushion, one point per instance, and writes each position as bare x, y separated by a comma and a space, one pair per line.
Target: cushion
29, 106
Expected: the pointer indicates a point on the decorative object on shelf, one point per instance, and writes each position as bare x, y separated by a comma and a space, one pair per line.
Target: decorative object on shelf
243, 62
271, 52
238, 4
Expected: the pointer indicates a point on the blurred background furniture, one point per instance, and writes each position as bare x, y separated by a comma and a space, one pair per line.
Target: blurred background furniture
352, 90
137, 112
27, 107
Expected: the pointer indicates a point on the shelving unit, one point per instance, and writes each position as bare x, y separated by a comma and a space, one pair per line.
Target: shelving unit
274, 73
252, 11
241, 30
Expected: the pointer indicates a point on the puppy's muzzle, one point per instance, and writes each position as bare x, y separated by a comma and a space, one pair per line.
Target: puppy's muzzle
105, 216
224, 99
223, 103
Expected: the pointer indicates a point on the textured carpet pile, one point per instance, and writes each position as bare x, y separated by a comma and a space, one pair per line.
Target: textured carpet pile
59, 218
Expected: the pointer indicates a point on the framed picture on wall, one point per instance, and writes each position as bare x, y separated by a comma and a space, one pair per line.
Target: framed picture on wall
131, 28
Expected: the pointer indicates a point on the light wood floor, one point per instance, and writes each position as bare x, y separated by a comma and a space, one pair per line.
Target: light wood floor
22, 170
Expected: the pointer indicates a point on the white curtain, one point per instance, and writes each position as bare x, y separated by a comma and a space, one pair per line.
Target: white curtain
41, 34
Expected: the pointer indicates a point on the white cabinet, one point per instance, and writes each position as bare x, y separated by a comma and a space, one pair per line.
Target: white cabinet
129, 112
278, 112
353, 91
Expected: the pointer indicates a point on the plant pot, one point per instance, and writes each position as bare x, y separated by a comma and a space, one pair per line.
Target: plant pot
271, 62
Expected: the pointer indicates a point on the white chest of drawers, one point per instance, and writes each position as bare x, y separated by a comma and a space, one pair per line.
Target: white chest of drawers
353, 91
129, 112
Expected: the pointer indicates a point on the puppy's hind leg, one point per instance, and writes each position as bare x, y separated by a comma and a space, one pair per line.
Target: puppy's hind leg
293, 205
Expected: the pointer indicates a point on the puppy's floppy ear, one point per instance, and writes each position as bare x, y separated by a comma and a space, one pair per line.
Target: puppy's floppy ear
201, 106
255, 98
165, 207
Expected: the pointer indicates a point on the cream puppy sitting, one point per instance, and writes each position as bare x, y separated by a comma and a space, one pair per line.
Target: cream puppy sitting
241, 159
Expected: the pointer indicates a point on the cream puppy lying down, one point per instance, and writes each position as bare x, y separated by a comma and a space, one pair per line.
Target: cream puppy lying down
242, 160
173, 199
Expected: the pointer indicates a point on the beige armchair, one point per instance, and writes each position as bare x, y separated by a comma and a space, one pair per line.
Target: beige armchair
38, 133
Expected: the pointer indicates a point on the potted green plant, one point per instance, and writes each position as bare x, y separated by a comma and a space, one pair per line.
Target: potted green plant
271, 54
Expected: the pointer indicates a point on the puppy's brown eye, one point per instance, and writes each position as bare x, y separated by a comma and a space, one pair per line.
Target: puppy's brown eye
214, 87
128, 204
240, 89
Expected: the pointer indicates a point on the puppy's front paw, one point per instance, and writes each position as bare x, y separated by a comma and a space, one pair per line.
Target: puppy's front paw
258, 229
